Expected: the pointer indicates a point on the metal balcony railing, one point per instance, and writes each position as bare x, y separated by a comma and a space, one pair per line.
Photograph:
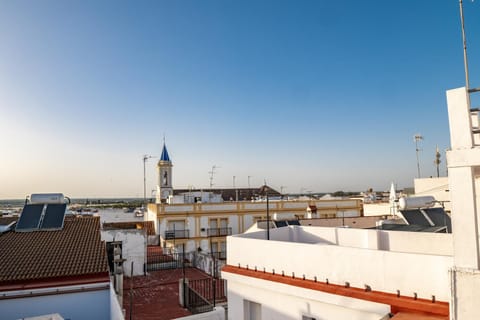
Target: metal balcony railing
220, 255
176, 234
219, 232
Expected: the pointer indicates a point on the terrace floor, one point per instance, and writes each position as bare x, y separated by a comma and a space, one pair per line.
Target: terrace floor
155, 296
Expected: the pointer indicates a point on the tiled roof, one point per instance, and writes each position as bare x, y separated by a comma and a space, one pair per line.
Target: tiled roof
146, 225
74, 251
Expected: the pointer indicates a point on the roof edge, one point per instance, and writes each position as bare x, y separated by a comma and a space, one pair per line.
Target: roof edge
55, 282
397, 303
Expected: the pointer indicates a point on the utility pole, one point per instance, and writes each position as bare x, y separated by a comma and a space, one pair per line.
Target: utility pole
464, 38
131, 291
417, 138
268, 216
145, 158
264, 190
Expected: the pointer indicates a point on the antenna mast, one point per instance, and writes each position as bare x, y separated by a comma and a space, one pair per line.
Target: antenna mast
212, 173
464, 38
417, 138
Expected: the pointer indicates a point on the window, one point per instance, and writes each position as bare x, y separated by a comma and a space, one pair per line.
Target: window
218, 222
176, 229
218, 227
252, 310
176, 225
214, 247
213, 223
223, 223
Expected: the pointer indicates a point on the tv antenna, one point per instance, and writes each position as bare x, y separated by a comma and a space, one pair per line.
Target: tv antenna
417, 138
212, 173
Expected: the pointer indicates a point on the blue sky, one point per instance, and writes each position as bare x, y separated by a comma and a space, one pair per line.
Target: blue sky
310, 95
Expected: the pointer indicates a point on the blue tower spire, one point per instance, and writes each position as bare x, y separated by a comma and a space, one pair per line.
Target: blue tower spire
164, 156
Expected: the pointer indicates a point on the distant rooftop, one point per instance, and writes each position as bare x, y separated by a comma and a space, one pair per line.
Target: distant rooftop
231, 194
139, 225
7, 220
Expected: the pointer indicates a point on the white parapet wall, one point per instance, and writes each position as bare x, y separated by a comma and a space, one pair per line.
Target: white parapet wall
386, 261
116, 312
284, 302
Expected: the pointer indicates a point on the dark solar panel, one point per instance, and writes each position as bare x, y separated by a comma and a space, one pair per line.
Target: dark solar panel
410, 227
280, 224
30, 217
401, 227
54, 216
293, 222
439, 217
415, 217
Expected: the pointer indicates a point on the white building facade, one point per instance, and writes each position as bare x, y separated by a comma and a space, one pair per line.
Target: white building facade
464, 180
204, 226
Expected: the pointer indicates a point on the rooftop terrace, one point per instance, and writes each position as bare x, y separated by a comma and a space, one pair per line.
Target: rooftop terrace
386, 261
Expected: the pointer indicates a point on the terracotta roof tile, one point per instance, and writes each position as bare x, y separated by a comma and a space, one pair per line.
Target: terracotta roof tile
76, 250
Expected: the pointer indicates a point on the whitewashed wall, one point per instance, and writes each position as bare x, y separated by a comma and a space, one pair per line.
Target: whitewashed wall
134, 247
80, 305
383, 270
283, 302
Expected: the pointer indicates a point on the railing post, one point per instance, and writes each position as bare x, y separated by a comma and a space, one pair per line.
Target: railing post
213, 281
183, 267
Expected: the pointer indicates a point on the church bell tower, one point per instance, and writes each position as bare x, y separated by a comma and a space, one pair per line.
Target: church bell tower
164, 170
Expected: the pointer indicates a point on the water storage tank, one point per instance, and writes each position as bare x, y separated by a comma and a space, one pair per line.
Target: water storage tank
416, 202
47, 198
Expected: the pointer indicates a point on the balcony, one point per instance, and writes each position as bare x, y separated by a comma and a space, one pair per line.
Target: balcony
219, 232
219, 255
177, 234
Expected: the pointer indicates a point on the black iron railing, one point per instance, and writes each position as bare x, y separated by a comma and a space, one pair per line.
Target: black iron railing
220, 255
166, 261
219, 232
177, 234
210, 289
194, 301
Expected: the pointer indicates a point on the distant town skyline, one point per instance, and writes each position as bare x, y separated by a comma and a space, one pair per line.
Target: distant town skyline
306, 95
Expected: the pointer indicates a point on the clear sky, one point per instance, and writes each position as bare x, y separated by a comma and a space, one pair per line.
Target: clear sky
309, 95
